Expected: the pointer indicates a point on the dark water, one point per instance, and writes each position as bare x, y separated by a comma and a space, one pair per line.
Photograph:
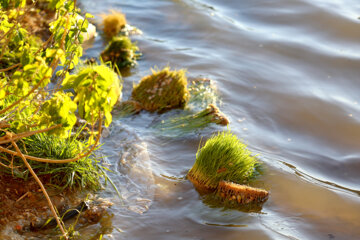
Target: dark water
288, 73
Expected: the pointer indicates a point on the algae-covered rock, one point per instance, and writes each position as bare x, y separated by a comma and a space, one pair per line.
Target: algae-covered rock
223, 157
162, 90
113, 23
121, 52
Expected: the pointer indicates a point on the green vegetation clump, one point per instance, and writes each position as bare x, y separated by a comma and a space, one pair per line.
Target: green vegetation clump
192, 122
223, 157
121, 52
113, 23
82, 174
162, 90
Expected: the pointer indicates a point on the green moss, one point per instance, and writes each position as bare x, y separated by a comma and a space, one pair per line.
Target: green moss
121, 52
223, 157
190, 123
162, 90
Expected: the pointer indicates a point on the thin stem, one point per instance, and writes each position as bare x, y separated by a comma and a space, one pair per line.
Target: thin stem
52, 208
2, 149
27, 134
19, 100
9, 68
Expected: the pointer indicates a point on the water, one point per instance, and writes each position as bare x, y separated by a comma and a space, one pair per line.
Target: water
288, 76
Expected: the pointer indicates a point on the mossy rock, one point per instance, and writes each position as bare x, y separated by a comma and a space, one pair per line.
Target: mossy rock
162, 90
223, 158
121, 52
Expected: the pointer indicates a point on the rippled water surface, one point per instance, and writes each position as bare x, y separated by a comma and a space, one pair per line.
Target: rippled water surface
287, 72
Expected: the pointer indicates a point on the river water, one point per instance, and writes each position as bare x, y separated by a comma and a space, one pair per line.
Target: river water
287, 72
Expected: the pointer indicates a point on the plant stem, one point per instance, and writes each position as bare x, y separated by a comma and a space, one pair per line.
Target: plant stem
52, 208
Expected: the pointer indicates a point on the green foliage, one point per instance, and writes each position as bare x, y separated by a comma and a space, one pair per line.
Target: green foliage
121, 52
59, 109
97, 89
223, 157
84, 173
163, 90
28, 104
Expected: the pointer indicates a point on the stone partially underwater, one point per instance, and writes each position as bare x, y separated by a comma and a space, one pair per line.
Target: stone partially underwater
222, 166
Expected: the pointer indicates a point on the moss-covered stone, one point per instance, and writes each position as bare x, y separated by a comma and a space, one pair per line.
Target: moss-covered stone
162, 90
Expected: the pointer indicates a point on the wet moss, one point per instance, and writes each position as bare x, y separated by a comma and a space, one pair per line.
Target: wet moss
162, 90
121, 52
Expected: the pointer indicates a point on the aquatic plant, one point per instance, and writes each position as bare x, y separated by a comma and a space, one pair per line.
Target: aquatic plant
190, 123
223, 157
127, 108
162, 90
121, 52
113, 23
